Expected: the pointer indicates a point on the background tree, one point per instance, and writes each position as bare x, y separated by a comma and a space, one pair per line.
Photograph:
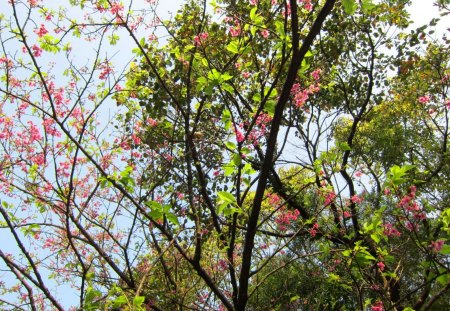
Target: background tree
259, 154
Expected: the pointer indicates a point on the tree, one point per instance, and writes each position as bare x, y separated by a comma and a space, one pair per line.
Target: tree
259, 154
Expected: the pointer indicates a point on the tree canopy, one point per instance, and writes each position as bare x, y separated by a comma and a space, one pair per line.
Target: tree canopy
241, 155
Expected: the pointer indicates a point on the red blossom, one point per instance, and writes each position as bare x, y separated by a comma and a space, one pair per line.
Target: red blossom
36, 50
329, 198
389, 230
378, 306
424, 99
41, 31
284, 218
265, 33
356, 199
307, 4
436, 246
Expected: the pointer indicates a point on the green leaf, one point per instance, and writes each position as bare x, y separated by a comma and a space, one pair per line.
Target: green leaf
295, 298
227, 87
90, 276
120, 301
230, 145
228, 169
367, 6
138, 301
269, 107
91, 294
233, 47
309, 54
397, 174
279, 26
443, 279
344, 146
226, 197
172, 218
237, 160
253, 13
349, 6
445, 249
156, 215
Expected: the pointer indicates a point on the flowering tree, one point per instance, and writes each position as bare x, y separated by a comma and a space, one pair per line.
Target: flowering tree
251, 154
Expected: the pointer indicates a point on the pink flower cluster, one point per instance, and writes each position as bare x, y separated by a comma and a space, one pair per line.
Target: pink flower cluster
284, 218
307, 4
356, 199
36, 50
265, 33
258, 131
200, 38
390, 230
314, 229
329, 198
41, 31
424, 99
152, 122
106, 70
301, 95
235, 28
436, 246
378, 306
409, 204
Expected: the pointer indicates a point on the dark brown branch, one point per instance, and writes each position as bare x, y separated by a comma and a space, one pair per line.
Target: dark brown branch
297, 58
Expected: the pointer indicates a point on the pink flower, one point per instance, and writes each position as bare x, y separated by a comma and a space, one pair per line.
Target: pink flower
235, 31
152, 122
116, 8
358, 174
37, 51
285, 218
347, 214
106, 70
265, 33
239, 136
313, 230
136, 139
307, 4
316, 74
424, 99
253, 2
378, 306
436, 246
381, 266
246, 74
329, 198
447, 103
41, 31
200, 38
356, 199
33, 3
389, 230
